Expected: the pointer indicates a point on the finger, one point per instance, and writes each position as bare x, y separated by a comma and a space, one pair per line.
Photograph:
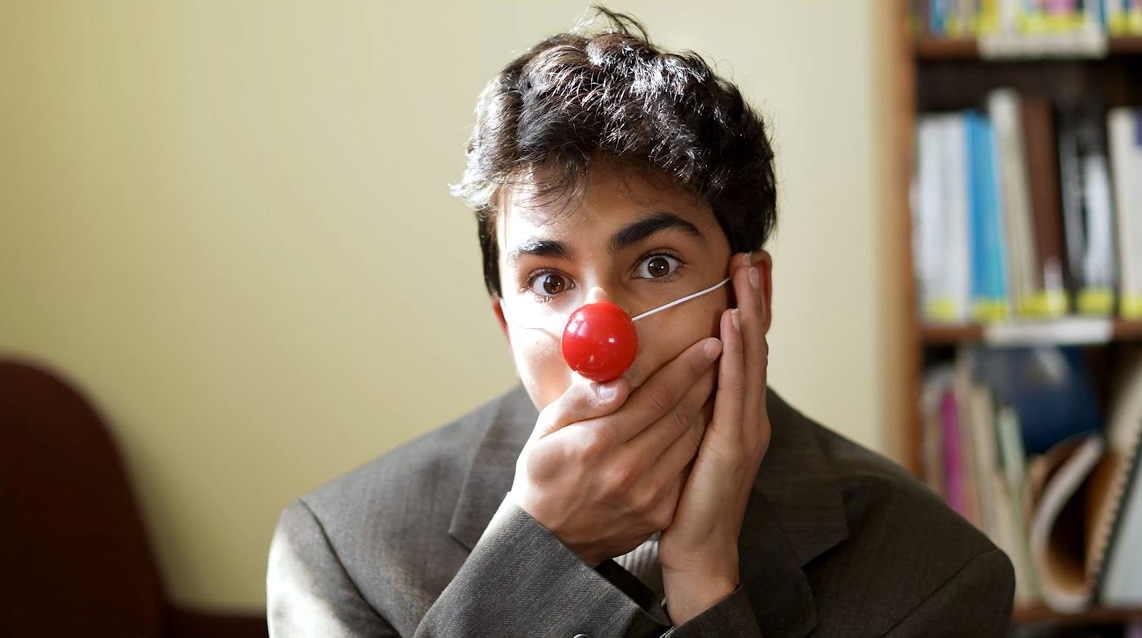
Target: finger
668, 504
672, 463
752, 333
728, 406
733, 391
581, 401
663, 390
650, 444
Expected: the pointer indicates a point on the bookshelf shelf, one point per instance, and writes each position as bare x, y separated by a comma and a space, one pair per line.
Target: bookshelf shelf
1038, 613
1058, 331
946, 49
929, 49
935, 334
1126, 46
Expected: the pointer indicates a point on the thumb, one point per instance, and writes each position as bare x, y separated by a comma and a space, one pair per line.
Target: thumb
581, 401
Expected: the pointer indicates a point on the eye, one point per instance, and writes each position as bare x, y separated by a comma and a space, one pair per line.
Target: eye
657, 267
549, 284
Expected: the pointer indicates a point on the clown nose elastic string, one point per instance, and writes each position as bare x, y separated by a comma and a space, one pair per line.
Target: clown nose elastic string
682, 300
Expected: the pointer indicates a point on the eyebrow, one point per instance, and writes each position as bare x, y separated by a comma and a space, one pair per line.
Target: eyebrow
638, 231
626, 237
540, 248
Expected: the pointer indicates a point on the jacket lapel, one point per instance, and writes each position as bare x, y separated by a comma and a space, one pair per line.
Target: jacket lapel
507, 425
795, 514
795, 511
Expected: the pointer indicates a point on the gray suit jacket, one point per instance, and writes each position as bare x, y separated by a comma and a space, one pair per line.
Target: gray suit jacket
836, 541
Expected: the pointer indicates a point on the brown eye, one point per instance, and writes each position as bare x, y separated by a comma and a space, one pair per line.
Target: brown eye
549, 284
657, 267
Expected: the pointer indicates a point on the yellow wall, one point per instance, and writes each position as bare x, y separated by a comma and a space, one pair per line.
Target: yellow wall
228, 222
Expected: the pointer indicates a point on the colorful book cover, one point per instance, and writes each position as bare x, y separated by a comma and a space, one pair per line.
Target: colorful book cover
989, 285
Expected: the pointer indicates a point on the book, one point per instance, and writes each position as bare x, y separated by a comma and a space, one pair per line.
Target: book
988, 274
1057, 538
1088, 213
1041, 152
935, 384
1013, 504
940, 218
1124, 128
1006, 114
1117, 512
1049, 387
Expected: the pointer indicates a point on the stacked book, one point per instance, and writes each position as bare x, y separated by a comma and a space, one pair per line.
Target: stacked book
1028, 209
1015, 441
1007, 28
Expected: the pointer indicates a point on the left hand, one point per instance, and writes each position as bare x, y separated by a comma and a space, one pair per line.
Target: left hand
699, 550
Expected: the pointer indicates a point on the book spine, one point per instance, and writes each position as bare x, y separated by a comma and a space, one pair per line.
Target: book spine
953, 461
1041, 155
1099, 260
989, 294
1126, 160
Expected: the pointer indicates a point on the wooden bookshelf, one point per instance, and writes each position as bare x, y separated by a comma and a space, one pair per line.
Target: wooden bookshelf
944, 49
1096, 615
927, 74
1121, 330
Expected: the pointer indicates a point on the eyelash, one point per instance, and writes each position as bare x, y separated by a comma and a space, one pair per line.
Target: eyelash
530, 281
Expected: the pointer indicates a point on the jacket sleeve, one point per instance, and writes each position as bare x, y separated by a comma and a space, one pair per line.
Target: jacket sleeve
976, 601
308, 592
732, 616
520, 580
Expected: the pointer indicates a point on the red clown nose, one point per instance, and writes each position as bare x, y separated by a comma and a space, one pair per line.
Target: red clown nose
600, 341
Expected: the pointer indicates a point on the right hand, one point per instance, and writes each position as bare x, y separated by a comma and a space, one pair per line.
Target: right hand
603, 473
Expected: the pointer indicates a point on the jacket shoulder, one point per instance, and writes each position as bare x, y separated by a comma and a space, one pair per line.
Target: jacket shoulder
904, 543
382, 519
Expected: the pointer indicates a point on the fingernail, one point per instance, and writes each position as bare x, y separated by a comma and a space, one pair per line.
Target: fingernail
753, 277
712, 348
747, 258
606, 390
734, 317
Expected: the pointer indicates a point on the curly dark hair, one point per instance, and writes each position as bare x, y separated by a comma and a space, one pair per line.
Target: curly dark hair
573, 98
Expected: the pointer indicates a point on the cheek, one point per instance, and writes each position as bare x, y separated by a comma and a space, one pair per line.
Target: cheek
666, 336
541, 368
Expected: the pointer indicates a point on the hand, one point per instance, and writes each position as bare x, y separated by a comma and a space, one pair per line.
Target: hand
699, 550
601, 472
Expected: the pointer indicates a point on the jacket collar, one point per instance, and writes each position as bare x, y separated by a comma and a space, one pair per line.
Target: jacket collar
795, 512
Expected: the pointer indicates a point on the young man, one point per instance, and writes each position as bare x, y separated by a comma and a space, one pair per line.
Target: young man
684, 497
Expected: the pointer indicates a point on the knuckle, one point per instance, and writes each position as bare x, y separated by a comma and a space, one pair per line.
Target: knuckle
732, 383
552, 417
659, 400
736, 463
681, 417
643, 500
536, 465
663, 516
619, 481
695, 435
588, 449
582, 402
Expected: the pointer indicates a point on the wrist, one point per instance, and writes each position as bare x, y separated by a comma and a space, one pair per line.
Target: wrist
688, 595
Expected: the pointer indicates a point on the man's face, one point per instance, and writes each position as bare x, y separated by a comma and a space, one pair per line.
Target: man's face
631, 242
